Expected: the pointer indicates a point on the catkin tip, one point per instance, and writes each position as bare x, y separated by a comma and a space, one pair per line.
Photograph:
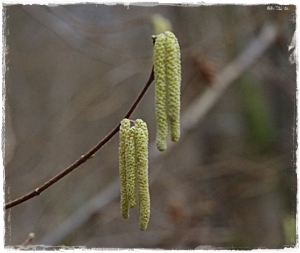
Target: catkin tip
161, 145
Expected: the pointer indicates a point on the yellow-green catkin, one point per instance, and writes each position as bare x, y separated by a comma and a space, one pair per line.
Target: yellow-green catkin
141, 144
173, 79
124, 130
160, 92
130, 166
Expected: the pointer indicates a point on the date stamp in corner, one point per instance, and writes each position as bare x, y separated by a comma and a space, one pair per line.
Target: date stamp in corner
276, 7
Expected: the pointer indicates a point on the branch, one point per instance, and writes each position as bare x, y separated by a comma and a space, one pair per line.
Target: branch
190, 120
29, 238
83, 158
230, 73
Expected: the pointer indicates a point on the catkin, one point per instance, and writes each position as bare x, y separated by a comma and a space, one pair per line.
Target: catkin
160, 92
124, 130
141, 141
130, 166
173, 79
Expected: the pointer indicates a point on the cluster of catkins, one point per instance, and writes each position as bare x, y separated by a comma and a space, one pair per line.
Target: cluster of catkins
133, 166
167, 72
133, 148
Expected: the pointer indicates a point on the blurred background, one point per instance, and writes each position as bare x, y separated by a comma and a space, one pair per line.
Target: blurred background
73, 71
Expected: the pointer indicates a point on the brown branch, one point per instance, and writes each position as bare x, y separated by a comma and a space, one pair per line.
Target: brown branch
29, 238
83, 158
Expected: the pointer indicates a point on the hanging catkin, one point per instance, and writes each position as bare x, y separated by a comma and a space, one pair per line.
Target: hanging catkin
141, 141
167, 73
130, 166
173, 79
124, 130
160, 92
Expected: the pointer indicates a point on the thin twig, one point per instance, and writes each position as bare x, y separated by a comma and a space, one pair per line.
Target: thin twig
83, 158
28, 239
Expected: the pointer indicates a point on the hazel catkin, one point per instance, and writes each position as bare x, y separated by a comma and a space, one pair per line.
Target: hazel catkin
160, 92
133, 163
124, 130
167, 73
173, 79
141, 144
130, 166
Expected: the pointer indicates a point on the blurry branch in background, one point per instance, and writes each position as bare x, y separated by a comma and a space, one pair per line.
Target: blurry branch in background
83, 158
97, 30
29, 238
46, 18
229, 74
191, 118
160, 24
82, 215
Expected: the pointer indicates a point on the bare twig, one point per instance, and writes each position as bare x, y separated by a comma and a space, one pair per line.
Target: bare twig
191, 118
83, 158
29, 238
